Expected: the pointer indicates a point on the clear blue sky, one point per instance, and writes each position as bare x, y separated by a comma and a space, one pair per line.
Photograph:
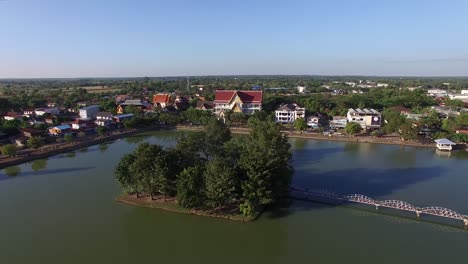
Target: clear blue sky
126, 38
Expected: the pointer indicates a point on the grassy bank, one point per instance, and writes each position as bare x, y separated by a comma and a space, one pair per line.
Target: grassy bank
171, 205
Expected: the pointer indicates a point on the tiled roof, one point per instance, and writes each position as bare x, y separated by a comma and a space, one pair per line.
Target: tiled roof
224, 96
287, 107
160, 98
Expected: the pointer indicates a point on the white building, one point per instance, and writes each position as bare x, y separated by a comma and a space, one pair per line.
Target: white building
436, 92
352, 84
288, 113
382, 85
300, 89
338, 122
104, 118
89, 112
464, 92
43, 111
369, 119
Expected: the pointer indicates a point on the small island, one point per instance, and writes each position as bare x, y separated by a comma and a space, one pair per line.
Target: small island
210, 173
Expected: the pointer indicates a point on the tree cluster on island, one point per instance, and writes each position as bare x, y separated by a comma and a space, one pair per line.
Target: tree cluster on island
211, 170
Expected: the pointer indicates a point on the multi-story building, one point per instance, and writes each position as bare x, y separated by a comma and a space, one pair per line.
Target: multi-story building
89, 112
104, 118
246, 102
288, 113
369, 119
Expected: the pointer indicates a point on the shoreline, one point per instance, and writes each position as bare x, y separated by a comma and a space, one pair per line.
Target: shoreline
357, 139
61, 148
53, 150
171, 205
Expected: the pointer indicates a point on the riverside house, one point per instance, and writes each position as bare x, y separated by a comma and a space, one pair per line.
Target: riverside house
369, 119
104, 118
60, 130
288, 113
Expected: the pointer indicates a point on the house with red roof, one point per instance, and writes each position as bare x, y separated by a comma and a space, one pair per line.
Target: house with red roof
246, 102
161, 100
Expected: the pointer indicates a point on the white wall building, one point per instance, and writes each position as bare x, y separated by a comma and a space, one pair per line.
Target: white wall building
382, 85
369, 119
288, 113
89, 112
43, 111
301, 89
104, 118
464, 92
436, 92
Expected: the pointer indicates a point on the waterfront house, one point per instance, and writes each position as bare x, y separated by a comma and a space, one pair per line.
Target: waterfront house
246, 102
104, 118
338, 122
369, 119
89, 112
122, 117
81, 124
288, 113
315, 121
60, 130
444, 144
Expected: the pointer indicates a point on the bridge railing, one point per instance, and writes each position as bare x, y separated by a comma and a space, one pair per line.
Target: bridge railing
394, 204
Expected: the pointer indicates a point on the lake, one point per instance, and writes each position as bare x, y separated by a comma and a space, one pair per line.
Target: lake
62, 210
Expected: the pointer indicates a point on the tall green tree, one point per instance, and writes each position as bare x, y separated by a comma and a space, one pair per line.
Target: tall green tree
221, 183
125, 176
300, 124
9, 150
265, 164
35, 142
191, 187
353, 128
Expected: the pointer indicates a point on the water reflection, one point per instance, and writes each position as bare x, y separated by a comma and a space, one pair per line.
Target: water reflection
83, 150
103, 147
70, 154
39, 164
136, 139
12, 171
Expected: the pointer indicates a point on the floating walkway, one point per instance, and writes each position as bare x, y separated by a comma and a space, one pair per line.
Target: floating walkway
337, 199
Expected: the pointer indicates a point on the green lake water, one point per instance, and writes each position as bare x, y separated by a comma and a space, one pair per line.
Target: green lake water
62, 210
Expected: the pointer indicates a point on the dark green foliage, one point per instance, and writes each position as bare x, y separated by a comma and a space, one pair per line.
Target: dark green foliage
300, 124
394, 121
221, 182
196, 116
190, 187
101, 131
35, 142
9, 150
265, 163
353, 128
124, 175
68, 138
